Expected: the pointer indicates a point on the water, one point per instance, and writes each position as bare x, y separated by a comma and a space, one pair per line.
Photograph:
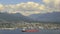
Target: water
18, 31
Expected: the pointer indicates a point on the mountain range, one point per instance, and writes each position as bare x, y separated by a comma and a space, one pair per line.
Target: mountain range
47, 17
17, 17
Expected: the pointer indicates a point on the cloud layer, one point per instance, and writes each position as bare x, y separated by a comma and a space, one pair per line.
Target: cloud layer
53, 4
28, 8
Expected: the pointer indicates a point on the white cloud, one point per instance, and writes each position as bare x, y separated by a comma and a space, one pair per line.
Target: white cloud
53, 4
28, 8
51, 1
1, 7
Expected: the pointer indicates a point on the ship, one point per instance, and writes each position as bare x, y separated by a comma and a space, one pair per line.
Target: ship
29, 30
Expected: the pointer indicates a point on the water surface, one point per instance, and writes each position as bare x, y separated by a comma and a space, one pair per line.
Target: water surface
18, 31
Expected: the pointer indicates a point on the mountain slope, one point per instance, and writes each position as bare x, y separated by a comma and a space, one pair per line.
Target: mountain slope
12, 17
48, 17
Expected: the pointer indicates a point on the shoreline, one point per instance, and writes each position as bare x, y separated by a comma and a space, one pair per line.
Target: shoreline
7, 28
28, 28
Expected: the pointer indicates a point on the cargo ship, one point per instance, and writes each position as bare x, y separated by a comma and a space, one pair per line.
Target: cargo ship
30, 30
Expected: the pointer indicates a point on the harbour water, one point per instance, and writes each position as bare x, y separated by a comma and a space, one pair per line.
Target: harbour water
18, 31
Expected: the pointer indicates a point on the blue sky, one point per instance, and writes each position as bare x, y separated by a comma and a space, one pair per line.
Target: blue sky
18, 1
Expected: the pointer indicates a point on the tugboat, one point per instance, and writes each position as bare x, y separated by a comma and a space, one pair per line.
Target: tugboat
23, 30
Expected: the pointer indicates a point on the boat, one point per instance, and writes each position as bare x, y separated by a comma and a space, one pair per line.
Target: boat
33, 30
30, 30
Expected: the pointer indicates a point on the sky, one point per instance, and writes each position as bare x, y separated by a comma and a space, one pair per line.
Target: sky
18, 1
28, 7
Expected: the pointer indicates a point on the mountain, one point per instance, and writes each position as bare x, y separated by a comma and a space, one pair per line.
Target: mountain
47, 17
17, 17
